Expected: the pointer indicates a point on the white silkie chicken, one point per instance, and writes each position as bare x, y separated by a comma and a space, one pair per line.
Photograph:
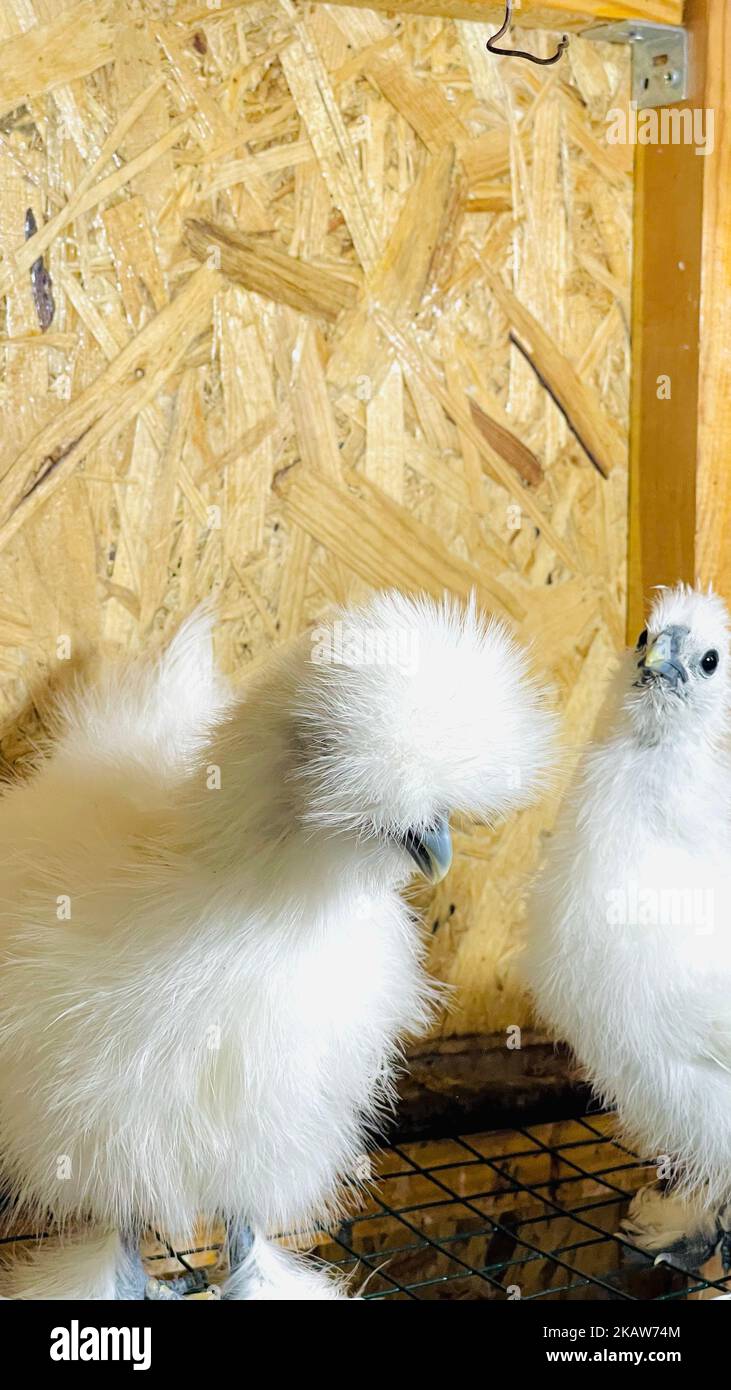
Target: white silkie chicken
629, 949
206, 967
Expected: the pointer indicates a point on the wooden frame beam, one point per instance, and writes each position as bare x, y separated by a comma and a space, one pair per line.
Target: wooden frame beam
463, 1084
534, 14
713, 473
680, 430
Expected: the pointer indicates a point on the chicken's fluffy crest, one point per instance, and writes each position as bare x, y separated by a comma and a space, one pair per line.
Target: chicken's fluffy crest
413, 707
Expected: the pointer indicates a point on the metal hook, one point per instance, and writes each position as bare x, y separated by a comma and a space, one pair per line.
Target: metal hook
520, 52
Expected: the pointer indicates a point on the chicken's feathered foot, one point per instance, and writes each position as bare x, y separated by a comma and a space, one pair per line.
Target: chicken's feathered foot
240, 1241
677, 1230
264, 1272
99, 1264
90, 1265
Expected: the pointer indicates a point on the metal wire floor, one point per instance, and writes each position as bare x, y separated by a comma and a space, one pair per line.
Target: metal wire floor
527, 1213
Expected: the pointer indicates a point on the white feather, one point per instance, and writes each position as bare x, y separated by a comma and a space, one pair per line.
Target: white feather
207, 966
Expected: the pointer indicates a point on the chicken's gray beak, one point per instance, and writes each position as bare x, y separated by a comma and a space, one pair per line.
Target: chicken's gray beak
431, 850
661, 659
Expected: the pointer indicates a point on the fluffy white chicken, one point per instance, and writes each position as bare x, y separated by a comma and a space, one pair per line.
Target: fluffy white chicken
629, 949
206, 965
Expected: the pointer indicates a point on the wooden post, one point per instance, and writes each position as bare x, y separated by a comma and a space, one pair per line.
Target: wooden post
535, 14
713, 497
680, 445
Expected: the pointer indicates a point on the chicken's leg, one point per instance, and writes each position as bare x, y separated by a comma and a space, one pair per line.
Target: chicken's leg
679, 1228
267, 1272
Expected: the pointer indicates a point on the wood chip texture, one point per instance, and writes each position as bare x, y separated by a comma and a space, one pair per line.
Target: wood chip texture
340, 302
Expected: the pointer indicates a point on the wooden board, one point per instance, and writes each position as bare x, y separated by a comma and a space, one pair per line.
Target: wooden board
292, 251
458, 1085
666, 289
713, 526
680, 483
540, 14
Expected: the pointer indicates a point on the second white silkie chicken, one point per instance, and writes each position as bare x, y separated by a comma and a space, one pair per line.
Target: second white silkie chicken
629, 945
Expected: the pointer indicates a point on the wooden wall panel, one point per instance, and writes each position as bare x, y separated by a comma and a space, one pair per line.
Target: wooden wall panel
321, 277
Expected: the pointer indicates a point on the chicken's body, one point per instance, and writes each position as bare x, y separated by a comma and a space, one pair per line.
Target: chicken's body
206, 964
629, 951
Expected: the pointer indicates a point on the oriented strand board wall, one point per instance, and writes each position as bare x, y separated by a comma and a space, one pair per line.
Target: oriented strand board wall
318, 277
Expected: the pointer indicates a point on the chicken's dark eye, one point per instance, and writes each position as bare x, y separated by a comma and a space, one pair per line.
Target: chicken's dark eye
709, 662
642, 639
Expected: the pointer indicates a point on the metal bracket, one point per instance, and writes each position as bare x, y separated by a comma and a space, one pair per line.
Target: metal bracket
659, 58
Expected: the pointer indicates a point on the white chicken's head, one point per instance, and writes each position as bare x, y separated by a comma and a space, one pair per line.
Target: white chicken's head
409, 710
680, 668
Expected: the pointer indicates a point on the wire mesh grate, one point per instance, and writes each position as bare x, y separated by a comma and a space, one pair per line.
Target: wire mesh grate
528, 1213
